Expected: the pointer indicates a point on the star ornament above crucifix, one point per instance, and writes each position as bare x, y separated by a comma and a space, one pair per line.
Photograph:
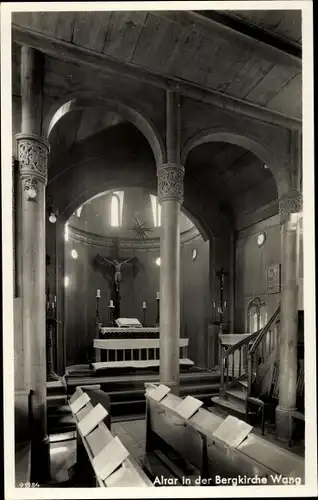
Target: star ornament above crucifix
141, 229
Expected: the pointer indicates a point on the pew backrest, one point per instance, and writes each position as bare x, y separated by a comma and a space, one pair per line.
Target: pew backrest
129, 473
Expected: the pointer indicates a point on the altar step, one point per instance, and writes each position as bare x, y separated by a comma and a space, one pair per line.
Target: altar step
56, 394
126, 392
127, 395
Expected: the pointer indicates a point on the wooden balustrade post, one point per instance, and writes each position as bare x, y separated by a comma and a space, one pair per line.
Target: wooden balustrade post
222, 361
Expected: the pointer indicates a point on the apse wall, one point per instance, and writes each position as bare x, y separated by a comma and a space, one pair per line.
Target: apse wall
84, 280
252, 263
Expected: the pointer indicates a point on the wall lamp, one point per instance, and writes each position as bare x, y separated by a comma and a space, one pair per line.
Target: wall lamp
53, 213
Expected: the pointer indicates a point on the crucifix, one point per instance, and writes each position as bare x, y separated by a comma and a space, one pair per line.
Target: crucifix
112, 271
221, 274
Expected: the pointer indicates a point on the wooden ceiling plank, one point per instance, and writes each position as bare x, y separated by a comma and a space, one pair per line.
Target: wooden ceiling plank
64, 26
148, 40
256, 198
250, 177
42, 22
228, 157
158, 42
251, 74
108, 65
123, 34
290, 95
272, 82
245, 160
185, 54
230, 60
90, 29
204, 57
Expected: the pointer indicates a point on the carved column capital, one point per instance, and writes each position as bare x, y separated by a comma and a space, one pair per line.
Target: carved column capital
290, 203
32, 157
170, 182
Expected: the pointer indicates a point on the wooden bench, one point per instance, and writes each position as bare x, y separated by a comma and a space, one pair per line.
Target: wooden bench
134, 353
128, 474
194, 440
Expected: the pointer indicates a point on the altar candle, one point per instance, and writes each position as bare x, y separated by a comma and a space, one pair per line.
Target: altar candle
111, 303
144, 305
98, 294
158, 296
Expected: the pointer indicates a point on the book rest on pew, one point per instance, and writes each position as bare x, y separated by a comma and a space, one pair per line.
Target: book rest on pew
133, 353
217, 447
93, 454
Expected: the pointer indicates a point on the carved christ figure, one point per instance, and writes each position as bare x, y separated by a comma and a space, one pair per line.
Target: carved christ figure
117, 266
113, 267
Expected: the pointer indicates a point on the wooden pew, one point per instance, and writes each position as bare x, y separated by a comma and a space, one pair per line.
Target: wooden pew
134, 353
128, 474
195, 442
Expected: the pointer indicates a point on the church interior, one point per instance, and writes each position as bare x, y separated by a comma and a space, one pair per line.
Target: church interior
158, 247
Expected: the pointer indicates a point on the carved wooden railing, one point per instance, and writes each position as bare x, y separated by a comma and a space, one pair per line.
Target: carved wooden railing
238, 362
262, 358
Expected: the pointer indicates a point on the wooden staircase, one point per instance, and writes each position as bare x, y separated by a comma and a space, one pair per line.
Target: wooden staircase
249, 372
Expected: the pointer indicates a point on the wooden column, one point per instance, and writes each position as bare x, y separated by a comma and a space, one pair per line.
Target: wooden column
290, 205
60, 296
170, 196
231, 306
32, 153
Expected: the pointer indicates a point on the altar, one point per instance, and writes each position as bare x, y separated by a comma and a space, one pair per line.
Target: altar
133, 352
106, 332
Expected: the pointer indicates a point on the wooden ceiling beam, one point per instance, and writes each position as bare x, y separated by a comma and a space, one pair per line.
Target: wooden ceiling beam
108, 65
277, 48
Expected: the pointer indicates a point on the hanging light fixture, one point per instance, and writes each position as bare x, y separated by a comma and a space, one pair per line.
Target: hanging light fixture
53, 213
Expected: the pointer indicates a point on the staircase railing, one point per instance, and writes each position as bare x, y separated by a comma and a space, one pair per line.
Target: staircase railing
236, 362
262, 357
234, 358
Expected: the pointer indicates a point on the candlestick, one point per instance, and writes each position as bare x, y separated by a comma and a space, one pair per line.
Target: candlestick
158, 310
111, 308
98, 320
144, 310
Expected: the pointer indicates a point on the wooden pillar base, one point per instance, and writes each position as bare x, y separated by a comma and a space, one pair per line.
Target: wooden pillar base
283, 423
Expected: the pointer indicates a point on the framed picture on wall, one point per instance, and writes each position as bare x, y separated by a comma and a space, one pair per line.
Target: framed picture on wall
273, 279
